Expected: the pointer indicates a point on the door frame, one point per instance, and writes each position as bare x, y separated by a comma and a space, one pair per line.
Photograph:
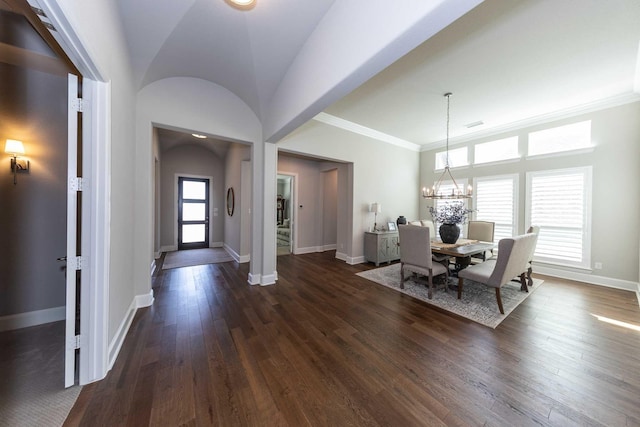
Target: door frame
96, 356
176, 178
293, 239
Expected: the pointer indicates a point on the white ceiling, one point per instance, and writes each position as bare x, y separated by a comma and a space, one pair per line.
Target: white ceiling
504, 61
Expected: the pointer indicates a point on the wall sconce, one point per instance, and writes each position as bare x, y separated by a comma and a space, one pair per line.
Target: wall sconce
15, 148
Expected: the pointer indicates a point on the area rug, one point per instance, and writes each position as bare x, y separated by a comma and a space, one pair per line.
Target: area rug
191, 257
478, 301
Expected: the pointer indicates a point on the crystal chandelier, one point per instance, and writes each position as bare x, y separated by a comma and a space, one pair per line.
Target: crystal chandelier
456, 192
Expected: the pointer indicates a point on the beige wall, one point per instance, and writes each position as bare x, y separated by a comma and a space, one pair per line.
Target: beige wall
191, 160
379, 172
616, 174
234, 233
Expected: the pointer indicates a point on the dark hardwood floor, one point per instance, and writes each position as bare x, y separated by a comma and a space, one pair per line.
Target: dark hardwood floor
326, 347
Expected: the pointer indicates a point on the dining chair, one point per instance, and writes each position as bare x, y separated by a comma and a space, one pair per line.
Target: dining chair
534, 229
415, 255
512, 261
482, 231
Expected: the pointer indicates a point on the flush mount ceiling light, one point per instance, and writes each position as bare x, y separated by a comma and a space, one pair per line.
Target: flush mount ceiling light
242, 4
197, 135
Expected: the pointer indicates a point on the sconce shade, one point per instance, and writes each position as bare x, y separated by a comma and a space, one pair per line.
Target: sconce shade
376, 207
14, 147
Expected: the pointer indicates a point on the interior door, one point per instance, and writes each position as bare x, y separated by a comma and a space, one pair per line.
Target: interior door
193, 213
74, 260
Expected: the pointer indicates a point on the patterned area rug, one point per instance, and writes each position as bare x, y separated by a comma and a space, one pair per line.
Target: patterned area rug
195, 257
478, 301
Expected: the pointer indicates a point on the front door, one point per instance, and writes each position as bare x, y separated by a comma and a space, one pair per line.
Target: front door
193, 213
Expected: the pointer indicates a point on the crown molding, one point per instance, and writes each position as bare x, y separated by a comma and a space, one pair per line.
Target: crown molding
602, 104
365, 131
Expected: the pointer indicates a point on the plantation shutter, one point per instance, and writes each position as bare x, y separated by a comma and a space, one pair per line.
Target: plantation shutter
445, 188
558, 203
495, 202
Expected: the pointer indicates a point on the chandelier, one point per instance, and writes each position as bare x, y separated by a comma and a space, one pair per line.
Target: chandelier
456, 192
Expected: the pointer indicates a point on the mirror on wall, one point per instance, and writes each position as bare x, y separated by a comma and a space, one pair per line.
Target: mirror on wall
231, 201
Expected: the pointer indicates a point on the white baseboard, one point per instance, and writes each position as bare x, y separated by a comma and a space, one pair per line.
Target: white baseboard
139, 301
254, 279
268, 279
314, 249
332, 247
587, 278
350, 260
157, 255
638, 293
168, 248
236, 256
32, 318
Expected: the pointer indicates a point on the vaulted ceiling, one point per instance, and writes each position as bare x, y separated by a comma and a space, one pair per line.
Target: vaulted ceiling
506, 62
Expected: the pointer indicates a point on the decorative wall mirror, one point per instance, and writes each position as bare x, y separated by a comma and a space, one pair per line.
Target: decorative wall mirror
231, 201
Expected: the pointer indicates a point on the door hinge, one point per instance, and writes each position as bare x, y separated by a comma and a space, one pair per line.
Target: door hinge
76, 184
77, 263
77, 104
74, 343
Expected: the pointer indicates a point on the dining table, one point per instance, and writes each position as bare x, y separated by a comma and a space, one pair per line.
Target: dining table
461, 250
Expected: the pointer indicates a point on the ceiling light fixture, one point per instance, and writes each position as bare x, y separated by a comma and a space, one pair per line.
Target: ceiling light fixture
456, 192
197, 135
242, 4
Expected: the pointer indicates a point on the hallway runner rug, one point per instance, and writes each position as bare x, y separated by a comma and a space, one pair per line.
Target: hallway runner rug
191, 257
478, 301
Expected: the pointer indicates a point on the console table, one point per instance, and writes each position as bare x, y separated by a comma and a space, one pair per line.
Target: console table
381, 246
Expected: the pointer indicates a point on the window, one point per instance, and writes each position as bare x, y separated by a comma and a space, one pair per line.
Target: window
495, 200
446, 187
457, 157
560, 203
494, 151
558, 139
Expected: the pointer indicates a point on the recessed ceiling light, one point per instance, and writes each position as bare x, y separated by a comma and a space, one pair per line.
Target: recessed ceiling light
242, 4
197, 135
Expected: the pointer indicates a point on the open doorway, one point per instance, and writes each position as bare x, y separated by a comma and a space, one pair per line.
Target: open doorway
284, 211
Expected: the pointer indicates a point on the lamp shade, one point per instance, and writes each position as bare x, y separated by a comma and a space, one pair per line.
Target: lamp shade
376, 207
13, 146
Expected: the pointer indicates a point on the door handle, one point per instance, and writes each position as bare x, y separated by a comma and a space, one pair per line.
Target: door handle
62, 259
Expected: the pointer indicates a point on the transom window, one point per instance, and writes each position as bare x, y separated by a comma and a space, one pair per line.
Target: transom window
457, 157
563, 138
495, 151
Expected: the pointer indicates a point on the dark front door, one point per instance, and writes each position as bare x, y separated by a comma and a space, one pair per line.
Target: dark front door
193, 213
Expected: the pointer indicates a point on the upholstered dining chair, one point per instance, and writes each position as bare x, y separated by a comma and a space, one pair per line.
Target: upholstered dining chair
534, 229
512, 261
483, 231
415, 255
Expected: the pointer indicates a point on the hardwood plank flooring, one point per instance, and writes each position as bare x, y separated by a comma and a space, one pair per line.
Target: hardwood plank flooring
324, 347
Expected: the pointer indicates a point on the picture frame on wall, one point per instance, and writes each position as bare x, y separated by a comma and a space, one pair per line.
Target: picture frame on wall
391, 226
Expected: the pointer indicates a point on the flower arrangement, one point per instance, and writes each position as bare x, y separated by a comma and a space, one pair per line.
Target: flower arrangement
450, 213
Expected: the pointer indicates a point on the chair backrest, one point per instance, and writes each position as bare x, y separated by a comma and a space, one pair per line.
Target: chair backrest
513, 258
415, 245
429, 223
534, 229
481, 230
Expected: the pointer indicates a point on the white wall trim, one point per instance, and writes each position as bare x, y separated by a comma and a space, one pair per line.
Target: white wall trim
236, 256
139, 301
253, 279
608, 282
169, 248
153, 266
269, 279
638, 293
32, 318
331, 247
158, 254
350, 260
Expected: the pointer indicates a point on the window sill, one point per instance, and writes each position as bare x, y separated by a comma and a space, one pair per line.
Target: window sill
586, 150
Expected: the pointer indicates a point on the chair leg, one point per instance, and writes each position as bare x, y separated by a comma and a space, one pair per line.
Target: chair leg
499, 300
523, 283
529, 271
402, 275
460, 280
430, 295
